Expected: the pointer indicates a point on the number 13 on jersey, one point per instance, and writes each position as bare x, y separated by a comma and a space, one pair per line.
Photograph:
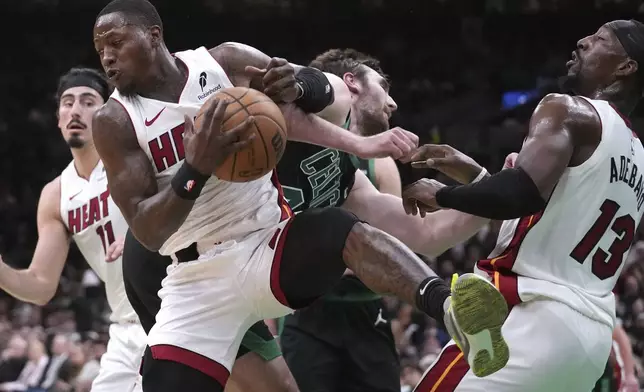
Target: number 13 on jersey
606, 263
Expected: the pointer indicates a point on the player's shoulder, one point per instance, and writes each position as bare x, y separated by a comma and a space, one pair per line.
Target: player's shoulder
225, 48
52, 188
50, 198
572, 113
110, 114
567, 108
223, 52
111, 122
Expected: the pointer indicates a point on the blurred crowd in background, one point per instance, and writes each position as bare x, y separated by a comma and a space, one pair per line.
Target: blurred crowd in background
467, 73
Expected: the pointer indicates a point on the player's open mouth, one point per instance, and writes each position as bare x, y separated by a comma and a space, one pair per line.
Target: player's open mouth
573, 60
112, 74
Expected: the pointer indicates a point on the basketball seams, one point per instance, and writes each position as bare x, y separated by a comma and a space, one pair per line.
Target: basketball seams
242, 108
259, 133
281, 131
233, 174
275, 122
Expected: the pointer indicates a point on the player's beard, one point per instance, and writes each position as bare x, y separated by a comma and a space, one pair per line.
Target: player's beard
371, 123
568, 83
75, 141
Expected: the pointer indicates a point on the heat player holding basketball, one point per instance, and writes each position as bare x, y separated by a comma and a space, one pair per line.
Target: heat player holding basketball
77, 206
571, 206
252, 259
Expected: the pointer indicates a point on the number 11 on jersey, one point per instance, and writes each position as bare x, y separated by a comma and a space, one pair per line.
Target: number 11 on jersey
106, 234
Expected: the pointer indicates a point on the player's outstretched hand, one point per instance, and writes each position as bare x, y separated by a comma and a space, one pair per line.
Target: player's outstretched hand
115, 250
448, 161
207, 147
278, 79
396, 143
420, 197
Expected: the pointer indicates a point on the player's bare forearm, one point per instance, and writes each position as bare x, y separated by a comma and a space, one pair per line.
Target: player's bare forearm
429, 236
26, 285
154, 219
309, 128
445, 229
38, 283
152, 214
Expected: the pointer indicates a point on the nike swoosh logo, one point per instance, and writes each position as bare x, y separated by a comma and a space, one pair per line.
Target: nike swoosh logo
148, 123
422, 291
75, 195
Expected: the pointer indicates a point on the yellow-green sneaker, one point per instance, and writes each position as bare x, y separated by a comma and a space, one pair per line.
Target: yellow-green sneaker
474, 318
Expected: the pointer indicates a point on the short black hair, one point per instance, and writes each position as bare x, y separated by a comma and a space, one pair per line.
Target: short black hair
138, 12
80, 76
341, 61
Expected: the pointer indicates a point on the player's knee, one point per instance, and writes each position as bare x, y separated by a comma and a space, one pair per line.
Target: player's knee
324, 230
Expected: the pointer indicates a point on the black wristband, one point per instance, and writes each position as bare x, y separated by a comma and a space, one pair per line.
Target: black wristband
317, 92
508, 194
187, 183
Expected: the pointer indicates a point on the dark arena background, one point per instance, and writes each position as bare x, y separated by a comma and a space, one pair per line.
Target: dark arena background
466, 73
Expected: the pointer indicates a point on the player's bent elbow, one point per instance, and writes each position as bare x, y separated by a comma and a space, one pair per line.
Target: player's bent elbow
44, 297
42, 301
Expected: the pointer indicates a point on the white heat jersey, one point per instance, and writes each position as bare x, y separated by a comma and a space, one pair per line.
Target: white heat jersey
574, 250
224, 210
94, 222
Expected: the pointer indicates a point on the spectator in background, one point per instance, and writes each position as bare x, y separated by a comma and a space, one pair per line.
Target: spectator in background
58, 350
13, 359
34, 369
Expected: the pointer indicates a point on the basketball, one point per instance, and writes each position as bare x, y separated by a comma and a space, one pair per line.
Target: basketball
265, 151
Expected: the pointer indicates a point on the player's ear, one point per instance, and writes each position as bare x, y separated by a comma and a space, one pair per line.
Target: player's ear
155, 35
628, 67
352, 82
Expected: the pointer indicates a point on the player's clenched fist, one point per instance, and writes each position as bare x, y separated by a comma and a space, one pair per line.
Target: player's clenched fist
206, 146
396, 143
278, 79
420, 197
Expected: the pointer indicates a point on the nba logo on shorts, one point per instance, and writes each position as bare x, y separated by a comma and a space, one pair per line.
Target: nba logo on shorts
189, 185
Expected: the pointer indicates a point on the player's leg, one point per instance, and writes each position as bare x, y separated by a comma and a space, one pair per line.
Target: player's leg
253, 373
121, 361
317, 245
205, 311
553, 348
314, 362
259, 365
143, 272
370, 359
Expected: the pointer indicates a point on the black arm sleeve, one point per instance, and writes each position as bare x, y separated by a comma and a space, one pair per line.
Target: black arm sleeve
317, 92
508, 194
